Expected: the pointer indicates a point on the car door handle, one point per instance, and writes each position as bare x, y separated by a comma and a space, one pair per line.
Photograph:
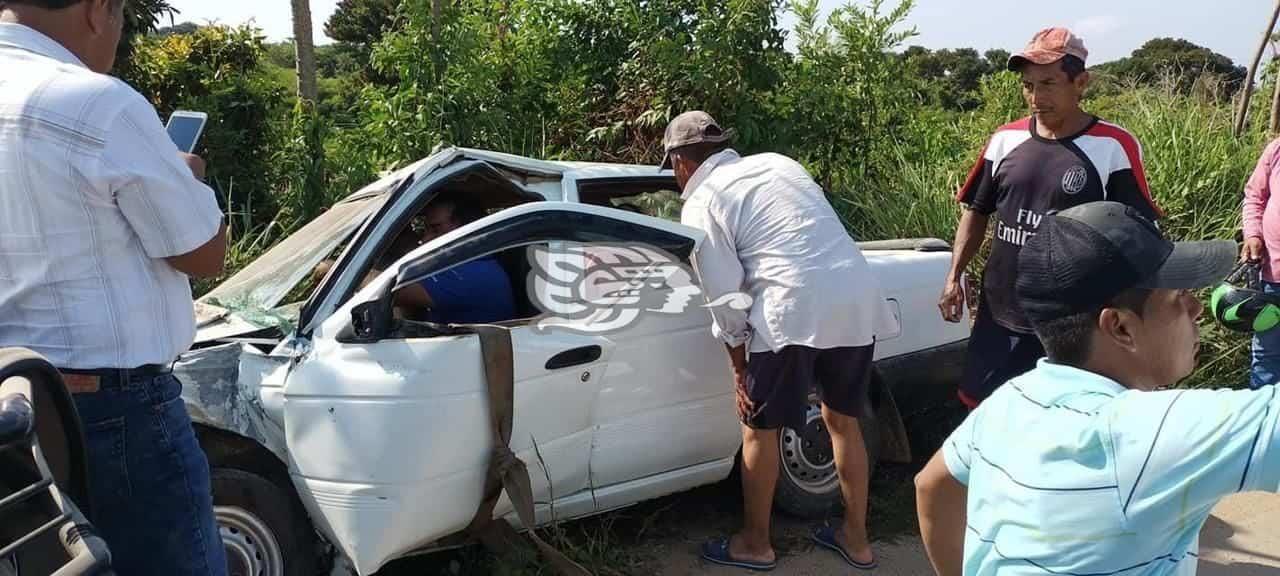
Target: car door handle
574, 357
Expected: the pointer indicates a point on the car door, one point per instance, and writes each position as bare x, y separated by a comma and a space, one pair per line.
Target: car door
391, 437
665, 415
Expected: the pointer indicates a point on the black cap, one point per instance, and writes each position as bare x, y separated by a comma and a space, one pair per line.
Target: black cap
1082, 257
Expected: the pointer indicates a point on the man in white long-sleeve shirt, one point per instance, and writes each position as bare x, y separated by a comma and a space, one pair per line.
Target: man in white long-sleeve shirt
816, 309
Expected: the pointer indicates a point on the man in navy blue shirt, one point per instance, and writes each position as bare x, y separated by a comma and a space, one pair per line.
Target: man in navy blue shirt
473, 292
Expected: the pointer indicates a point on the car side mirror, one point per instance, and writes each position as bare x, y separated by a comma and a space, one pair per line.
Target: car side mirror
370, 322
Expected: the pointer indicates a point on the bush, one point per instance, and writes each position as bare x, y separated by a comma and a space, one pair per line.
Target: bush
219, 70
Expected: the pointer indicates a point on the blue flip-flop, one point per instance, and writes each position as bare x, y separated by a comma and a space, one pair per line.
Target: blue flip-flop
717, 552
826, 537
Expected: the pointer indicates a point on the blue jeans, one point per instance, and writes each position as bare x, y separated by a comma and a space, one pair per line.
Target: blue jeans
149, 484
1266, 351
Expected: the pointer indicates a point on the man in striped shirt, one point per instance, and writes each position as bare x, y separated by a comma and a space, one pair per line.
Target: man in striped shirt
1089, 464
1056, 158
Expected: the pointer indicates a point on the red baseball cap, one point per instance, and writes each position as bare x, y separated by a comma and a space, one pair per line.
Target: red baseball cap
1049, 46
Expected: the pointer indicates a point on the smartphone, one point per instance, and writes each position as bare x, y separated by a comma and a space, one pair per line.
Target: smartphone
185, 128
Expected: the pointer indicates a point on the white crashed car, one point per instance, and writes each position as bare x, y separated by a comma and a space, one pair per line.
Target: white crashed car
336, 451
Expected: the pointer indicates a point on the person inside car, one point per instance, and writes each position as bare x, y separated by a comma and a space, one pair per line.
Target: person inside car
473, 292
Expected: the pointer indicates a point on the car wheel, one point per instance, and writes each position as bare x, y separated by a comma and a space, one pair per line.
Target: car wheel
264, 530
808, 486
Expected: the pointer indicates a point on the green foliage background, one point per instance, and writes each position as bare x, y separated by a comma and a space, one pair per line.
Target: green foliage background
888, 129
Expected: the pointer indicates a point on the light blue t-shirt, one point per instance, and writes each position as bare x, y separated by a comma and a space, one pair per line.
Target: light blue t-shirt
1068, 472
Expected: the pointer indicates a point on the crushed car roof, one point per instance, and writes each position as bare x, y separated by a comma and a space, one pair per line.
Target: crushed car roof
530, 166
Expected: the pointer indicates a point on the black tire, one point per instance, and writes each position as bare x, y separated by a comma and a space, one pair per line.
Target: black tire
800, 492
246, 506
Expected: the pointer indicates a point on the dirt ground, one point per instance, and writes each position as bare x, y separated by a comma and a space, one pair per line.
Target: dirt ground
1238, 540
662, 538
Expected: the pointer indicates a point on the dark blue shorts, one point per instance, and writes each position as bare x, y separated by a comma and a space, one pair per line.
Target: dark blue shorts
996, 354
149, 484
778, 383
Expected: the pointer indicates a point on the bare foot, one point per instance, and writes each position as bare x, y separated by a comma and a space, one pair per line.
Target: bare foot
857, 548
740, 548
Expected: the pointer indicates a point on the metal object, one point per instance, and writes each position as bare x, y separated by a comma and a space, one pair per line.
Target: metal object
807, 456
20, 373
252, 550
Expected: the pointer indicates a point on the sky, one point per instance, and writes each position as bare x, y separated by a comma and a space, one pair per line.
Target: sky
1111, 29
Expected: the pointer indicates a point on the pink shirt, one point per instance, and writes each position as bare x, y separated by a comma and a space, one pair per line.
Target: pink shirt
1261, 216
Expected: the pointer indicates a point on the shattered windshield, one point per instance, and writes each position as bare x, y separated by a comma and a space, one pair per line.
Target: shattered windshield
254, 293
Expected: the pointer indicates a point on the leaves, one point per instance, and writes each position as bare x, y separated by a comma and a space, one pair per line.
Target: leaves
1164, 59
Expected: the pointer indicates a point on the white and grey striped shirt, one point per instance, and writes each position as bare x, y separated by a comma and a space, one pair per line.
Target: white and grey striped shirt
93, 197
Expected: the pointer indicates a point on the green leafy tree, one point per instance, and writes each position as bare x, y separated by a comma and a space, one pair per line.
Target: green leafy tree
220, 70
845, 96
357, 26
950, 78
140, 18
361, 22
1176, 60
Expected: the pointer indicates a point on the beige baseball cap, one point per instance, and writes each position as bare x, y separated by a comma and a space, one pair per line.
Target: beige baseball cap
1049, 46
693, 127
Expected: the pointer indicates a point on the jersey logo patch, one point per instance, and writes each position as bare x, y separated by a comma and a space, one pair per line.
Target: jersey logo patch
1075, 179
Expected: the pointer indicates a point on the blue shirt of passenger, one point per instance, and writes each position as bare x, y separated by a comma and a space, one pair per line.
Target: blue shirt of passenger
476, 292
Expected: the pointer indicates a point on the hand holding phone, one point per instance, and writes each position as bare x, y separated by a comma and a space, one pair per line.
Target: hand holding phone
195, 163
185, 128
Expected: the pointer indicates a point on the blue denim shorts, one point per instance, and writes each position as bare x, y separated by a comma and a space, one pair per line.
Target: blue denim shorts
1265, 365
149, 481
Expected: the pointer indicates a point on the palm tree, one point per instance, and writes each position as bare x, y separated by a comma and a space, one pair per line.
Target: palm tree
304, 46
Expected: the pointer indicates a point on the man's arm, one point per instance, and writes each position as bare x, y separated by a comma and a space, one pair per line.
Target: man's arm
414, 297
159, 193
969, 236
1123, 186
1213, 443
941, 503
1127, 182
979, 195
720, 273
738, 361
206, 261
942, 496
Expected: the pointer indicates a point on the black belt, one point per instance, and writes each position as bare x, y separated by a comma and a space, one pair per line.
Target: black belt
122, 373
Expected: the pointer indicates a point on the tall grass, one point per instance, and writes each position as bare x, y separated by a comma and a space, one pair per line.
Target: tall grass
1197, 172
929, 160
